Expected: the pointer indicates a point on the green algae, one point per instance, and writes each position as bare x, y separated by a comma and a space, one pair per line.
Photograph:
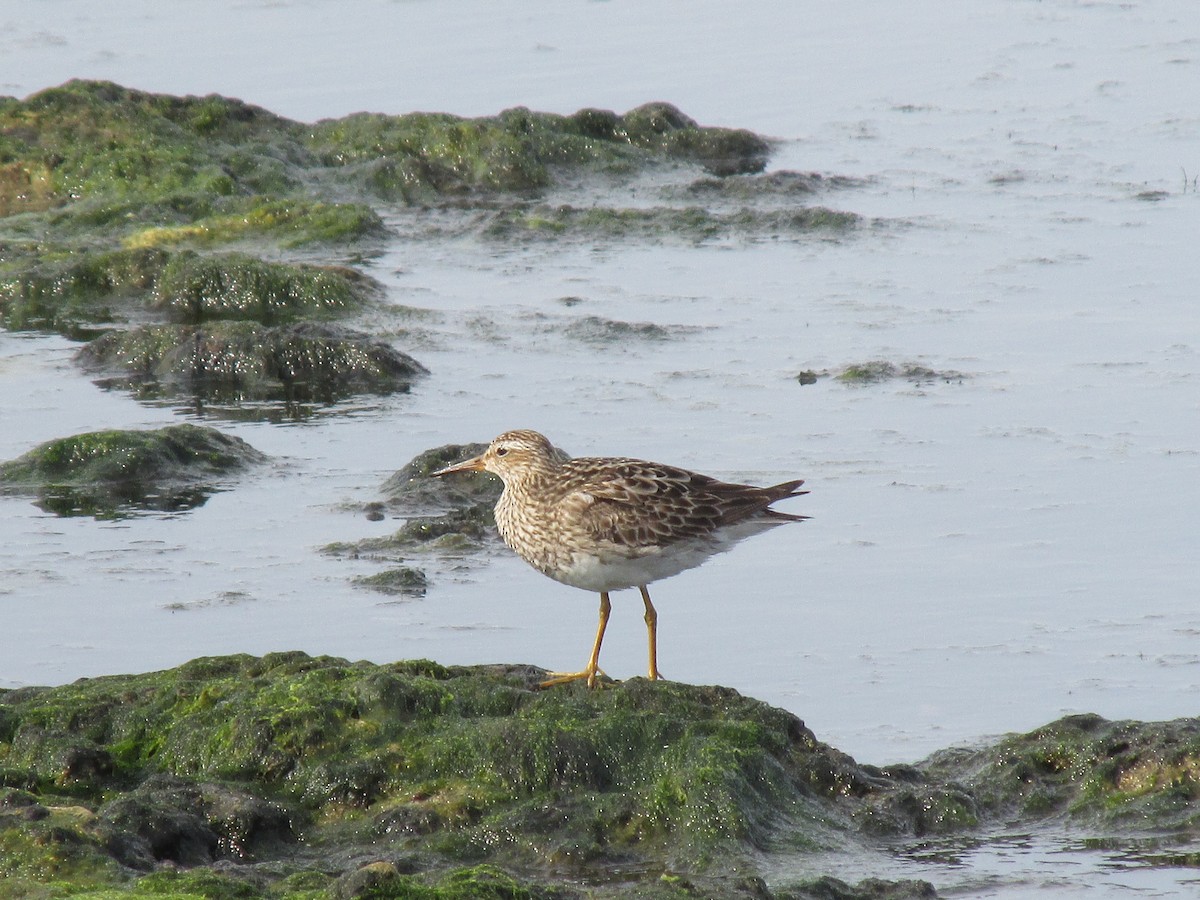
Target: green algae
418, 157
298, 776
412, 489
883, 370
89, 288
479, 758
105, 473
289, 223
663, 223
100, 140
231, 361
403, 580
68, 293
95, 176
193, 289
87, 144
1090, 770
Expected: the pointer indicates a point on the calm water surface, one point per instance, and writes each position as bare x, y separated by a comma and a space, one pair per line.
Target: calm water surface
988, 550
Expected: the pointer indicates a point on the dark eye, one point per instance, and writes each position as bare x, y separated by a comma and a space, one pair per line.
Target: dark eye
501, 451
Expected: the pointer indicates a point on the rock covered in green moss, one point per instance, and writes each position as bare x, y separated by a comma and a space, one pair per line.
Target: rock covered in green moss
316, 770
195, 289
413, 491
255, 777
421, 156
245, 361
403, 581
90, 287
1092, 771
663, 223
68, 292
91, 145
104, 472
883, 370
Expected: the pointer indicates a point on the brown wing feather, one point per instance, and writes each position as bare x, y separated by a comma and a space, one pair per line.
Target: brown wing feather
639, 504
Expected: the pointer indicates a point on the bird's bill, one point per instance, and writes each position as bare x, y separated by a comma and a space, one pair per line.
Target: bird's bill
475, 464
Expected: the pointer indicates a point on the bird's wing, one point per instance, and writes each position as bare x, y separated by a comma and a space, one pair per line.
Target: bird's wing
639, 505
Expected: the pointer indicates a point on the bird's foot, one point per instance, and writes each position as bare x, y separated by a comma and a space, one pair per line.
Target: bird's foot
590, 675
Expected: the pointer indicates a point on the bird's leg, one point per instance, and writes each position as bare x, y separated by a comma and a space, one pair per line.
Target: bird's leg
593, 666
652, 632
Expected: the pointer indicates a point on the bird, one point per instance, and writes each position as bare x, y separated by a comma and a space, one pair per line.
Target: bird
604, 524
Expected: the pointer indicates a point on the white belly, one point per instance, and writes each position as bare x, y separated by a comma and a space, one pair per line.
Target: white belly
615, 570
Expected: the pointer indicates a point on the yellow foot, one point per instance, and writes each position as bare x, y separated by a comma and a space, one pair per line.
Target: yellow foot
557, 678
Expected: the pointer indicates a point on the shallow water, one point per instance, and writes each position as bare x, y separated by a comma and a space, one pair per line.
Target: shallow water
988, 550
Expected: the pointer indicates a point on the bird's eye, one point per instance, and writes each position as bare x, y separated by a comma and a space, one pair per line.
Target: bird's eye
501, 451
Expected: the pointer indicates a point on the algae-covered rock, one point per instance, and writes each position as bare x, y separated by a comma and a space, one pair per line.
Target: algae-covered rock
232, 361
663, 223
883, 370
181, 168
195, 289
413, 490
78, 289
402, 580
90, 287
467, 775
722, 151
1089, 770
259, 777
421, 156
104, 473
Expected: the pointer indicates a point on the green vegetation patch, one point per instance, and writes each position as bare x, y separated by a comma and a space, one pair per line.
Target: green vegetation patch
294, 776
73, 290
88, 139
412, 489
238, 758
81, 290
288, 223
663, 223
421, 156
232, 361
102, 472
882, 370
1102, 773
193, 289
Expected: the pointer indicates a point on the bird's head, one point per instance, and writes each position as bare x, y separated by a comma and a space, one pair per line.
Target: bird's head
514, 454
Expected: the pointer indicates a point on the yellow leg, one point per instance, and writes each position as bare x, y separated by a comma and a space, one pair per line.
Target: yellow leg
593, 666
652, 632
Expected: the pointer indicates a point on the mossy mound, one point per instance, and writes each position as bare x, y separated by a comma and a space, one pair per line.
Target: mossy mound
414, 491
781, 185
108, 473
883, 370
101, 186
234, 362
292, 768
294, 776
401, 581
195, 289
664, 223
81, 289
1107, 775
74, 290
202, 168
423, 156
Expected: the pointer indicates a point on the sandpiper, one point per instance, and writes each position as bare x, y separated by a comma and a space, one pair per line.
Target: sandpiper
607, 523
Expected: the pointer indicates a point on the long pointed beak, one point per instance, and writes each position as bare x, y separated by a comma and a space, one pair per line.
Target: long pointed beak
475, 464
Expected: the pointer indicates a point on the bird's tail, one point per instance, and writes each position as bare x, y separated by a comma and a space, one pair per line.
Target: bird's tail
782, 492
